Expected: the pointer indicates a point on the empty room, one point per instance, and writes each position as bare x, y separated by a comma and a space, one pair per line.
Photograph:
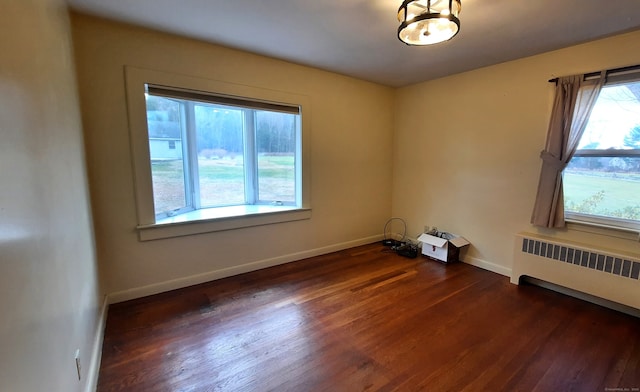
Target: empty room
435, 195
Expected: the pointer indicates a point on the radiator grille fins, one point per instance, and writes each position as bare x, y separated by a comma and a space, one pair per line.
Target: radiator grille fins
597, 261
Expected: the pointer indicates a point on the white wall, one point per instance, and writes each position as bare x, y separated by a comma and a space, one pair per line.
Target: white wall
351, 138
49, 298
466, 148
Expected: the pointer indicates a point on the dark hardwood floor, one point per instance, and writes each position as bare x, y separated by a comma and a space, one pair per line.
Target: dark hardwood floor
368, 320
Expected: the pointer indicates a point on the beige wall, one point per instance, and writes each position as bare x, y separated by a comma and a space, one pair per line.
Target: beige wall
49, 298
466, 148
472, 168
351, 137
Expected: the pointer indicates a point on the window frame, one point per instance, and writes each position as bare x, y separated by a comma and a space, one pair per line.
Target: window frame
623, 77
249, 110
223, 218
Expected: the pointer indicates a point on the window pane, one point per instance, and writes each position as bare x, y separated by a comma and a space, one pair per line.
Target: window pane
603, 186
164, 119
608, 186
276, 145
615, 115
219, 133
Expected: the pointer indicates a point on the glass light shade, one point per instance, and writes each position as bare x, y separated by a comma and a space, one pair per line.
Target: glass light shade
426, 22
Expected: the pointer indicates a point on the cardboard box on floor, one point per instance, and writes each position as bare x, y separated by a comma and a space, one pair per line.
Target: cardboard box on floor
445, 248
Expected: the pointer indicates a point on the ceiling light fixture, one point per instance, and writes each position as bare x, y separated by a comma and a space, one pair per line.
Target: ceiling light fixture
426, 22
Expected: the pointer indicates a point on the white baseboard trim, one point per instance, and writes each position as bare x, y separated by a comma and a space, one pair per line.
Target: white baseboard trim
498, 269
96, 350
173, 284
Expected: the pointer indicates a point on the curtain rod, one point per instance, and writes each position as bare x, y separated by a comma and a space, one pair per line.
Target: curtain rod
608, 72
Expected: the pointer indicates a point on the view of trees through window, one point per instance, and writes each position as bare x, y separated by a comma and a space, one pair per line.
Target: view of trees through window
603, 178
243, 155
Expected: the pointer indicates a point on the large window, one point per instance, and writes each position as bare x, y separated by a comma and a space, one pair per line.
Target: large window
213, 154
602, 180
234, 152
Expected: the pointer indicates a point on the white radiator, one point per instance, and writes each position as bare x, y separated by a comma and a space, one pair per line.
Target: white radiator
583, 268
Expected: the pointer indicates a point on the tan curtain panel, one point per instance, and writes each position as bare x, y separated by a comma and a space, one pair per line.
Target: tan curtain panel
572, 106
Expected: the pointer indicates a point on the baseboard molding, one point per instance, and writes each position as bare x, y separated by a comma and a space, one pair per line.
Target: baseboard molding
179, 283
96, 350
498, 269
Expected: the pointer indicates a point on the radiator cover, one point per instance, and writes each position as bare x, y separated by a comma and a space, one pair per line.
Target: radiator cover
580, 267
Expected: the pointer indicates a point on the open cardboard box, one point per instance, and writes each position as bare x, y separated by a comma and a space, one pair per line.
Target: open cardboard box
445, 249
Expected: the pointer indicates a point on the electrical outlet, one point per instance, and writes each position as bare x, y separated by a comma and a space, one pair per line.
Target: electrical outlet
426, 229
78, 367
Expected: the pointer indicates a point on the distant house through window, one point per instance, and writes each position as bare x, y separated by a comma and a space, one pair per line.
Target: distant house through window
217, 154
235, 151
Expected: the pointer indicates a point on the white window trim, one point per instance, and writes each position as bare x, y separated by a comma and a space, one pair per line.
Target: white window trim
220, 219
205, 221
603, 222
609, 153
603, 229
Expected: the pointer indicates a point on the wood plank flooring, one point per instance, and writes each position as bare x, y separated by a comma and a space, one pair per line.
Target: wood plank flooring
368, 320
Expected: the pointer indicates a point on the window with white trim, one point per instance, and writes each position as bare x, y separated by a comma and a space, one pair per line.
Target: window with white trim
234, 151
602, 180
238, 156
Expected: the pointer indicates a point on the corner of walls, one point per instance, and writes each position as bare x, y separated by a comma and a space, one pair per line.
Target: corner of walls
474, 169
350, 155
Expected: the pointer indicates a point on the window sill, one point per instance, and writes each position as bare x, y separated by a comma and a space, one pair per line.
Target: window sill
602, 229
220, 219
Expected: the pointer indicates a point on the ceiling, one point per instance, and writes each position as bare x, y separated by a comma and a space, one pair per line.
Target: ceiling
359, 37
